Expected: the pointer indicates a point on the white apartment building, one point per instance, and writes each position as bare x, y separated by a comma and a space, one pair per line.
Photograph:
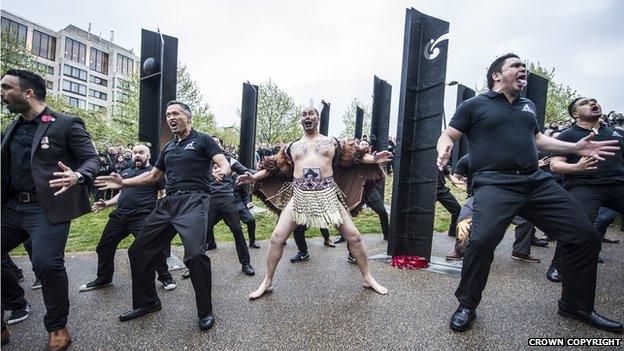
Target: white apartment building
91, 72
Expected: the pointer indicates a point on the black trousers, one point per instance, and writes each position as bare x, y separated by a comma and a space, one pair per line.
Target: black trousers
551, 209
186, 215
250, 221
119, 226
23, 221
12, 292
590, 198
375, 202
450, 204
299, 235
605, 218
224, 208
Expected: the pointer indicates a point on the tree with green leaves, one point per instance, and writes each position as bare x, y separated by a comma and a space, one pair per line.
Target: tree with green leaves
558, 96
348, 119
278, 115
188, 92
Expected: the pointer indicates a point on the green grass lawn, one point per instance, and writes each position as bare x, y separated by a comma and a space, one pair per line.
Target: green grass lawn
86, 231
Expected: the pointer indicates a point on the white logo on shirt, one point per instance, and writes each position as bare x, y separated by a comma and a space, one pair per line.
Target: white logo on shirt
190, 146
616, 134
527, 108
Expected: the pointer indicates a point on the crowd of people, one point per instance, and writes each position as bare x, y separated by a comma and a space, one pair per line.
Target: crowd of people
317, 181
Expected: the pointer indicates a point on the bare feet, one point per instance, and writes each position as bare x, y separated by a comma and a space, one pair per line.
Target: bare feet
264, 288
370, 283
329, 243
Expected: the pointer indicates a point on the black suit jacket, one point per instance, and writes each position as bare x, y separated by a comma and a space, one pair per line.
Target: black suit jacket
69, 143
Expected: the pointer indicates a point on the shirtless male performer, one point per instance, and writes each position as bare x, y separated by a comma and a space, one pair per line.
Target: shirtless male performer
316, 201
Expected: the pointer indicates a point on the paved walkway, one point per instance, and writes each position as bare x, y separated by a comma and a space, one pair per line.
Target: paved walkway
320, 305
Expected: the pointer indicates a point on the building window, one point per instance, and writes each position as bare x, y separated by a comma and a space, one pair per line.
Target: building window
49, 85
75, 51
97, 94
98, 80
96, 107
123, 84
74, 87
122, 97
43, 45
15, 28
98, 61
125, 65
75, 72
44, 68
76, 102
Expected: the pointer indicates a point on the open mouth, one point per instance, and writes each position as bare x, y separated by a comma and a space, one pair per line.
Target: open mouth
173, 124
595, 109
522, 80
307, 124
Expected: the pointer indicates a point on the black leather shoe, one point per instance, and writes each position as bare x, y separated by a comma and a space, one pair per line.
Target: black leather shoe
539, 242
339, 240
248, 269
553, 275
138, 312
211, 246
186, 274
254, 245
206, 322
462, 319
600, 259
590, 318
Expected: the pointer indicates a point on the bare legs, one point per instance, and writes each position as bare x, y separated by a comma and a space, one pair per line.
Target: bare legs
354, 238
286, 225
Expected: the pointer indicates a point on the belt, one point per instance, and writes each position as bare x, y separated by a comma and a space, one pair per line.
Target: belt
186, 192
514, 172
26, 197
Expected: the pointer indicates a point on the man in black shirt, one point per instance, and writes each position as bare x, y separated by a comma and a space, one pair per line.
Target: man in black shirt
223, 207
186, 163
502, 129
134, 204
600, 184
48, 159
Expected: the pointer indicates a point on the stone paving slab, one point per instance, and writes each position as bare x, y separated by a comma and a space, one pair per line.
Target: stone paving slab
321, 305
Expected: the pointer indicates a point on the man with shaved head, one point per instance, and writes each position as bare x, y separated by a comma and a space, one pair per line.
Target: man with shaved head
134, 204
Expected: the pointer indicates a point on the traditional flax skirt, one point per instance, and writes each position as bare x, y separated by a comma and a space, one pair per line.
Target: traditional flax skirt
317, 203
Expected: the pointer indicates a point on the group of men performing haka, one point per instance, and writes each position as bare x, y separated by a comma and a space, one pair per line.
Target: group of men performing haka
310, 184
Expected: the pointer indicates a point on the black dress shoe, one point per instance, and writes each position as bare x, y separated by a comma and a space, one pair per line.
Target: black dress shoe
553, 275
186, 274
211, 246
138, 312
590, 318
248, 269
539, 242
462, 319
206, 322
339, 240
253, 245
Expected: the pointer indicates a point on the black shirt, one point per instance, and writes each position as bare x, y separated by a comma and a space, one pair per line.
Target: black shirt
21, 146
609, 171
138, 199
462, 168
501, 134
226, 186
188, 163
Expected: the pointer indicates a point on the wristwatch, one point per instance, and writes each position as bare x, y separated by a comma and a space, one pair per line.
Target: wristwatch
81, 178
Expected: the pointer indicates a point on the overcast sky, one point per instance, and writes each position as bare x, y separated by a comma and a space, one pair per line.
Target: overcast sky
332, 49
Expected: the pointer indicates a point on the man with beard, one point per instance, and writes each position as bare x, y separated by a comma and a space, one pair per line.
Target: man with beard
134, 204
508, 182
186, 162
316, 200
43, 150
593, 187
